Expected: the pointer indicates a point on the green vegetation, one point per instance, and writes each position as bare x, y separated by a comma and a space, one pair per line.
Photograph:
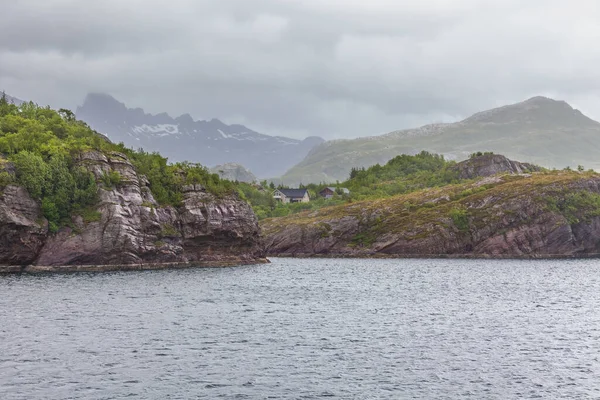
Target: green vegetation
45, 147
576, 207
168, 230
91, 215
503, 203
460, 218
480, 153
363, 239
402, 174
111, 179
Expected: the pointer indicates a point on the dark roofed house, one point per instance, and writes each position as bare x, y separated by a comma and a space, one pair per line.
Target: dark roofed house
291, 195
329, 191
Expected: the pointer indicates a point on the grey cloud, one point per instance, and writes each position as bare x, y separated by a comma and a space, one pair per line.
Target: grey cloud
304, 67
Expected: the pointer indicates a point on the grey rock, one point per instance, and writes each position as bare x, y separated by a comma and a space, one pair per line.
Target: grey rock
234, 172
492, 164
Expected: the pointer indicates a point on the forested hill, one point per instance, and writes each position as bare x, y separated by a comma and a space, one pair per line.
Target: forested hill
39, 150
402, 174
71, 200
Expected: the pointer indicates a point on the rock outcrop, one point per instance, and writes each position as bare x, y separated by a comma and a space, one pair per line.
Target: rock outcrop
129, 227
234, 172
489, 164
551, 214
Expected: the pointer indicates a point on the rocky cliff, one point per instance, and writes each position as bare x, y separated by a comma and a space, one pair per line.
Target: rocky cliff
128, 229
545, 214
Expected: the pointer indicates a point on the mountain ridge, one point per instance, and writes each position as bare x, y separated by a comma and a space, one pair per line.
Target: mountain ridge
209, 142
545, 131
11, 99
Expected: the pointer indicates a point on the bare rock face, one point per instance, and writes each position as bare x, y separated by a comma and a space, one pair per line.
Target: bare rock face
22, 232
492, 164
234, 172
131, 227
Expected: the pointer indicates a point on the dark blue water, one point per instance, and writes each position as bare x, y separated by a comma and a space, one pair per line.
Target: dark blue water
304, 329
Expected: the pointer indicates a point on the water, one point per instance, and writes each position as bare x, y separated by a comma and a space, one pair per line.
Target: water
304, 329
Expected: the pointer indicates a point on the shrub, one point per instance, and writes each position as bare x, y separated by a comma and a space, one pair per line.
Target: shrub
5, 179
111, 179
460, 218
168, 230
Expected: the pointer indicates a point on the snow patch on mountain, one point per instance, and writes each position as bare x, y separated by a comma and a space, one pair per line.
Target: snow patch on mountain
209, 142
161, 129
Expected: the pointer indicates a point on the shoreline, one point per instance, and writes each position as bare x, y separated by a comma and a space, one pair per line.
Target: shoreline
51, 269
47, 269
443, 256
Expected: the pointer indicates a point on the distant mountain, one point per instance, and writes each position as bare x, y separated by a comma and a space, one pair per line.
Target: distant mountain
207, 142
234, 172
11, 99
540, 130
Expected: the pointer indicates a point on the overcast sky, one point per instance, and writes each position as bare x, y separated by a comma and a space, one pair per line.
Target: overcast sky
333, 68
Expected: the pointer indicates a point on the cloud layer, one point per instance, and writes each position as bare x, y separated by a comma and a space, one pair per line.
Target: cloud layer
341, 68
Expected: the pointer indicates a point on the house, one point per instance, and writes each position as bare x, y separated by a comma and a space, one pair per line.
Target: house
291, 195
329, 191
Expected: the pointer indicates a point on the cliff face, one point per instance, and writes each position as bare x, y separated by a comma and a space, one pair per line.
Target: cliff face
527, 215
129, 226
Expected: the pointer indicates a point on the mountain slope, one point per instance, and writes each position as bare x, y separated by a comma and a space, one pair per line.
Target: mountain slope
183, 139
12, 100
543, 131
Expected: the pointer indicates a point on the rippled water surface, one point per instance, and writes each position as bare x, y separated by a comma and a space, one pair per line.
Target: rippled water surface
303, 329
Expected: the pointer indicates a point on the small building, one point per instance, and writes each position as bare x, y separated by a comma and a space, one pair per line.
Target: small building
291, 195
329, 191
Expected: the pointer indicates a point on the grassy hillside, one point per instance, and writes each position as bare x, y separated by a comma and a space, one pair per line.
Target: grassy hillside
541, 131
520, 210
402, 174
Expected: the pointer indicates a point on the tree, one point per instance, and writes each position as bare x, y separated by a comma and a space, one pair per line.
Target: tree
32, 172
67, 115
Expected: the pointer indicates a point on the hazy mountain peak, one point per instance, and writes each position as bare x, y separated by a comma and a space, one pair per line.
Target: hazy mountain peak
207, 142
185, 118
542, 130
11, 99
101, 98
538, 110
541, 100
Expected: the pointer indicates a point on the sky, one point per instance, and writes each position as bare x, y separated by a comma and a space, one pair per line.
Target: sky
335, 68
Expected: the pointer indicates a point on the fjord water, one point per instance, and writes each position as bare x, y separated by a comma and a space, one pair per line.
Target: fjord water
311, 328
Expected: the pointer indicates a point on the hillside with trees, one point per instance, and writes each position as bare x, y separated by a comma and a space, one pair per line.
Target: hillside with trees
39, 150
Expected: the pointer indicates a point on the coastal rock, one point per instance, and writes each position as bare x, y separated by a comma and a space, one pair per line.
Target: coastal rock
22, 232
553, 214
130, 227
